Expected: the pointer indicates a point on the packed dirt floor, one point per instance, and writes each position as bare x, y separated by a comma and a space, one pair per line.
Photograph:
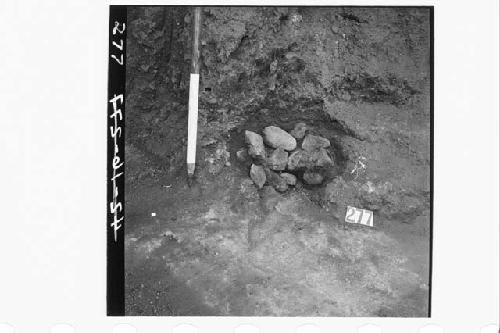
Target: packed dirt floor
359, 77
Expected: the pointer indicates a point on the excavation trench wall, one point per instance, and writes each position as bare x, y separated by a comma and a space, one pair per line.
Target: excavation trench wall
359, 77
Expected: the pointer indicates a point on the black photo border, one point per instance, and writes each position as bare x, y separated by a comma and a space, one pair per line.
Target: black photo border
115, 201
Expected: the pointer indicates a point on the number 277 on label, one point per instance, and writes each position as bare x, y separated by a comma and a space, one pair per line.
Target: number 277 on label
359, 216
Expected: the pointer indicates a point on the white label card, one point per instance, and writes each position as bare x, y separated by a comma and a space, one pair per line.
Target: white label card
359, 216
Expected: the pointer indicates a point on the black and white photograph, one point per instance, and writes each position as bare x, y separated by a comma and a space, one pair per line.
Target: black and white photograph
278, 161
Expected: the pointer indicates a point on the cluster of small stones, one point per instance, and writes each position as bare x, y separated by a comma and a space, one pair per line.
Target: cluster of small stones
276, 156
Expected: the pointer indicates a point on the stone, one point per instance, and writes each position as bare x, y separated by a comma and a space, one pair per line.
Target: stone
312, 178
321, 159
298, 160
302, 159
299, 131
255, 143
278, 159
290, 179
275, 137
258, 175
314, 142
276, 181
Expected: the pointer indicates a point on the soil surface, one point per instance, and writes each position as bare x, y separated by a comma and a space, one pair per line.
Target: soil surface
219, 246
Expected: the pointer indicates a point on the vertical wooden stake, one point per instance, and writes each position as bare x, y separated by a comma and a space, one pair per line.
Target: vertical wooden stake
194, 82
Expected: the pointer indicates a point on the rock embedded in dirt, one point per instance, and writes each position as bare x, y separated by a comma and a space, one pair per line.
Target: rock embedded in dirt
281, 186
321, 159
255, 143
278, 159
299, 131
276, 181
314, 142
289, 178
275, 137
302, 159
258, 175
312, 178
298, 160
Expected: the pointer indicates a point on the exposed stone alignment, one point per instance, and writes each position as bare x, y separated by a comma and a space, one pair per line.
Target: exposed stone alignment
275, 137
299, 131
283, 154
255, 145
258, 175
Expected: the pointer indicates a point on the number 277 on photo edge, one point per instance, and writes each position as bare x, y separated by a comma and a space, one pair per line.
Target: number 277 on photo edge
359, 216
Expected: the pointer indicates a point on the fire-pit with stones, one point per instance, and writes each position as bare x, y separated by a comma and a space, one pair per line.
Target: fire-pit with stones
278, 158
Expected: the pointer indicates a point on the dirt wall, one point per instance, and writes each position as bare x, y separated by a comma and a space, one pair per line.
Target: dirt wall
357, 75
